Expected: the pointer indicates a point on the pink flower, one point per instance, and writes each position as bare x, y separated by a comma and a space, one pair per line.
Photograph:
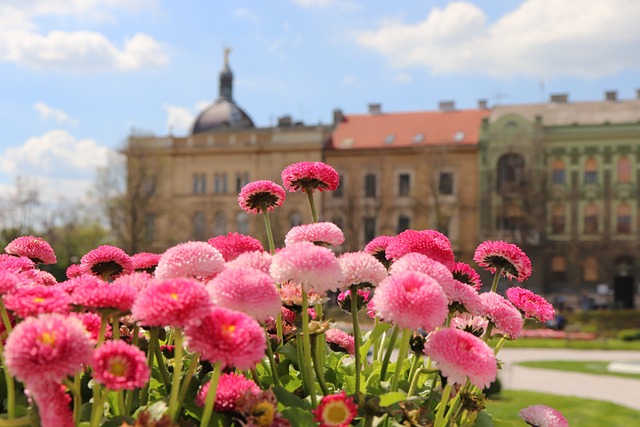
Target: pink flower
361, 268
36, 299
378, 248
261, 196
229, 337
531, 304
464, 273
335, 410
431, 243
340, 341
543, 416
73, 270
461, 355
475, 325
197, 260
172, 302
310, 176
247, 290
362, 299
107, 262
53, 404
91, 322
502, 314
411, 300
414, 261
34, 248
16, 264
314, 267
39, 277
319, 233
291, 296
138, 280
49, 347
234, 244
145, 261
100, 296
231, 387
514, 264
9, 281
464, 298
259, 260
120, 366
83, 280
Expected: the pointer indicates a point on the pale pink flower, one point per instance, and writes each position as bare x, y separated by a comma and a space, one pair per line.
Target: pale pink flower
247, 290
543, 416
340, 341
310, 176
231, 387
464, 298
460, 355
464, 273
37, 299
34, 248
531, 304
475, 325
314, 267
138, 280
172, 302
514, 263
145, 261
232, 245
39, 277
502, 314
431, 243
259, 260
291, 296
197, 260
363, 298
411, 300
261, 196
319, 233
53, 404
228, 337
361, 268
49, 347
378, 248
120, 366
103, 296
107, 262
335, 410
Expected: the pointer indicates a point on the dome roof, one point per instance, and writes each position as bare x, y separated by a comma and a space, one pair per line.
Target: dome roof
222, 114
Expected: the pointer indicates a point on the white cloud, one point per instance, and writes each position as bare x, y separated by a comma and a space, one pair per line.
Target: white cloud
247, 14
47, 112
180, 119
314, 3
402, 78
540, 38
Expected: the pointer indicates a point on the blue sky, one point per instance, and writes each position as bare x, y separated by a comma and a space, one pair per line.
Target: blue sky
76, 76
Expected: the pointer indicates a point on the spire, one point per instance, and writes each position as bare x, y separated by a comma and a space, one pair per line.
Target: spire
226, 78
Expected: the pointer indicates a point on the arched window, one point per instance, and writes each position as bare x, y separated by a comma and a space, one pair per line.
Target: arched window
624, 169
559, 173
590, 269
623, 218
591, 219
558, 220
591, 171
558, 267
511, 172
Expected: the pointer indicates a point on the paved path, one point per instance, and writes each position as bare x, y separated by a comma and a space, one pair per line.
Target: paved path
622, 391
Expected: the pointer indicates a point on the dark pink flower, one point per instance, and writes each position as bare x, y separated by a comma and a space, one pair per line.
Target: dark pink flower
464, 298
9, 281
361, 268
120, 366
464, 273
34, 248
197, 260
16, 264
49, 347
53, 402
378, 248
228, 337
403, 298
232, 245
261, 196
259, 260
340, 341
145, 261
335, 410
502, 314
172, 302
514, 263
92, 323
36, 299
363, 297
231, 387
39, 277
531, 304
82, 280
319, 233
460, 355
431, 243
310, 176
138, 280
103, 296
107, 262
543, 416
73, 270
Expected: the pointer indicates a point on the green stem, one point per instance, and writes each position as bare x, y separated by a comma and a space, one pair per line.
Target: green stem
193, 364
306, 346
5, 317
97, 407
496, 279
74, 388
272, 360
312, 203
499, 345
134, 335
104, 319
211, 395
317, 364
416, 378
356, 338
121, 405
402, 355
376, 343
387, 354
177, 373
279, 328
162, 366
115, 327
442, 407
414, 374
11, 389
25, 421
455, 406
267, 225
153, 341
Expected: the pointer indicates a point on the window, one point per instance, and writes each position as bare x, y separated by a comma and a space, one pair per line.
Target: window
623, 215
591, 219
445, 183
558, 220
404, 183
149, 185
199, 183
242, 223
220, 183
559, 174
242, 179
404, 223
389, 139
624, 169
199, 225
296, 219
558, 268
220, 224
149, 227
511, 172
369, 228
418, 138
370, 185
590, 269
340, 190
511, 218
590, 171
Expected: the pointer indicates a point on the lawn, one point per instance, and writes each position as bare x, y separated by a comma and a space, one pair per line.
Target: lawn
587, 367
596, 344
579, 412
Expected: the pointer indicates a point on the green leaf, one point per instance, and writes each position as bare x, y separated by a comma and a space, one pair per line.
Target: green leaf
370, 337
483, 420
391, 398
289, 399
299, 417
290, 351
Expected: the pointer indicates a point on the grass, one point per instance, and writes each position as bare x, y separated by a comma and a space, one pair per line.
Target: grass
587, 367
597, 344
579, 412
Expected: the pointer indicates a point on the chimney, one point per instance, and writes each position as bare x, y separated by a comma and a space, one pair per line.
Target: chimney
482, 104
338, 116
375, 108
611, 95
560, 98
284, 121
446, 106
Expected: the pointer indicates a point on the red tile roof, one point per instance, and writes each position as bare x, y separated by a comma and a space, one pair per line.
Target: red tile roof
388, 130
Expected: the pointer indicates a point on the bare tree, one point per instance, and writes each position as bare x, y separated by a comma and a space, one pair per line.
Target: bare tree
21, 209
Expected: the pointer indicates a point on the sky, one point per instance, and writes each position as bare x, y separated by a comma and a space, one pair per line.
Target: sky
77, 77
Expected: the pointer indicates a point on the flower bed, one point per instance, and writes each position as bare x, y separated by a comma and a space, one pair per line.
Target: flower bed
224, 332
551, 333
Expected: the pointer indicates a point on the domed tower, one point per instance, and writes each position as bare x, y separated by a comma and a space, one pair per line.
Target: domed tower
223, 113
